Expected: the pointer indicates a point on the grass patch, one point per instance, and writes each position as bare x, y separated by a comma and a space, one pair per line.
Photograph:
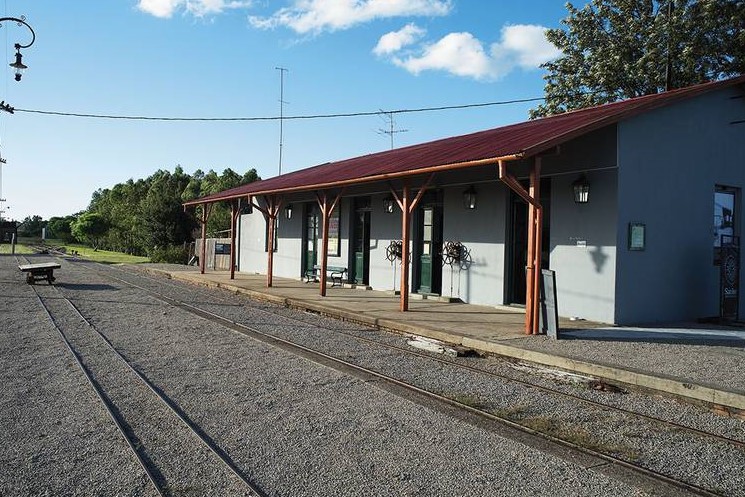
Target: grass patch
467, 400
20, 249
102, 256
578, 436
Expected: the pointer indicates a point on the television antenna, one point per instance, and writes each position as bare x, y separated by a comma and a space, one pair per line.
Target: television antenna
390, 122
282, 71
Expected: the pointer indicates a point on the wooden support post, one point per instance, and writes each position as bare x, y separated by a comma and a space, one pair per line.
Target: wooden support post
407, 206
326, 210
234, 210
538, 274
535, 193
535, 223
274, 204
324, 206
405, 235
203, 252
529, 268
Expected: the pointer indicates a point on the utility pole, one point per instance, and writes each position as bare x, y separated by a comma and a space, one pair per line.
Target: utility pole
2, 200
391, 123
282, 103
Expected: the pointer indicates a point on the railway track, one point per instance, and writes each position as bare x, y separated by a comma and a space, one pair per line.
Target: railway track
408, 351
605, 462
158, 433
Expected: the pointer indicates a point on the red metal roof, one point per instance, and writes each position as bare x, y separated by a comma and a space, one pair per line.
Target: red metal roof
523, 139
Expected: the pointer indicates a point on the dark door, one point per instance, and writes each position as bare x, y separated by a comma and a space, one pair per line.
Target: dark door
428, 269
518, 242
310, 238
360, 263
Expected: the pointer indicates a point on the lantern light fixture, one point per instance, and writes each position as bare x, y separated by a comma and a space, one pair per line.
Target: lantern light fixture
18, 65
581, 189
469, 198
388, 204
288, 211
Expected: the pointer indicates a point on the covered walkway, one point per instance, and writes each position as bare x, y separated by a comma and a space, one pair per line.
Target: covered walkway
703, 363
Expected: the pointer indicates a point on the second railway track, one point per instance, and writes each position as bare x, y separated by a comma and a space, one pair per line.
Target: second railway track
176, 455
675, 484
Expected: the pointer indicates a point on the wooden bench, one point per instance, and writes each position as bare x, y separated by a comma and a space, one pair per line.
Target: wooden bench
336, 273
38, 272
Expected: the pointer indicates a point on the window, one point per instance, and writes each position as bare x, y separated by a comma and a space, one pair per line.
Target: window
725, 215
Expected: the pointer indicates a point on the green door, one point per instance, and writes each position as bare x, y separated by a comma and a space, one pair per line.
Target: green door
429, 234
311, 238
361, 241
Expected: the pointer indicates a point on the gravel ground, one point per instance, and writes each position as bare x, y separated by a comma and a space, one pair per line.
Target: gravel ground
55, 436
296, 427
705, 462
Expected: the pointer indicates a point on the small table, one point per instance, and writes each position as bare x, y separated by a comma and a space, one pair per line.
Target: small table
38, 272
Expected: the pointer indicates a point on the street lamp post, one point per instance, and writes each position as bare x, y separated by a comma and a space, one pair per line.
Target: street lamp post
18, 64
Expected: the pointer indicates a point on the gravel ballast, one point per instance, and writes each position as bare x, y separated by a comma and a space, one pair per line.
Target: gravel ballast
297, 428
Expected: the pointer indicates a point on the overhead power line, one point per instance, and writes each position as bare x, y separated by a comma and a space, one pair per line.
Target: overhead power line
276, 118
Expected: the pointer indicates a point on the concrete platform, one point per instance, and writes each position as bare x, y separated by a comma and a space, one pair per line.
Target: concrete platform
705, 364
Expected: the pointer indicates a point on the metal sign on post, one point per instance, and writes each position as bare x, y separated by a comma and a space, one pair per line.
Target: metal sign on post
729, 286
549, 317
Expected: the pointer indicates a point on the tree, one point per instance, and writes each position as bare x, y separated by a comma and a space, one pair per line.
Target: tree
60, 227
617, 49
90, 227
31, 226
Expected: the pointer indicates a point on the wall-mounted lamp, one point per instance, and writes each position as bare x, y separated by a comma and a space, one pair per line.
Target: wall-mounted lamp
469, 198
388, 204
288, 211
581, 189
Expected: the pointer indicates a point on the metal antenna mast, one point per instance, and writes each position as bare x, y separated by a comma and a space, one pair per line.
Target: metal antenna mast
391, 122
2, 200
282, 103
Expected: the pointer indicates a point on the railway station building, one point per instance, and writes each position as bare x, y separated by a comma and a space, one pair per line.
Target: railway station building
635, 205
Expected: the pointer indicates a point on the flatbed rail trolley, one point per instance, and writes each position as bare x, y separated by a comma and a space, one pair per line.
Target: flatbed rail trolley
39, 272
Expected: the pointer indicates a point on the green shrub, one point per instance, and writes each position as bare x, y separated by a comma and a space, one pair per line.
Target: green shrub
170, 254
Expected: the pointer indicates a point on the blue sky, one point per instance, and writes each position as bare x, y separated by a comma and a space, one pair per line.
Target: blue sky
217, 58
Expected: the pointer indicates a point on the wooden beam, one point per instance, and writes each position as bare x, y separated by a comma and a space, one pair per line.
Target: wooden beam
420, 193
235, 209
324, 207
206, 208
326, 210
405, 235
535, 193
535, 223
274, 203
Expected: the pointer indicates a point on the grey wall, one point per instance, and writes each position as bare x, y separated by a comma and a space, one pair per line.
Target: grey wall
583, 246
482, 231
669, 163
289, 253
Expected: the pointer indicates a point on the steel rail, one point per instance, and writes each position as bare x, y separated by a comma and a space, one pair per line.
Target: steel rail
324, 358
493, 374
101, 396
171, 405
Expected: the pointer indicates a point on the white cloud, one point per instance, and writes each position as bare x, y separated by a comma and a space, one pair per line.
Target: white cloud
159, 8
521, 45
197, 8
396, 40
526, 45
456, 53
315, 16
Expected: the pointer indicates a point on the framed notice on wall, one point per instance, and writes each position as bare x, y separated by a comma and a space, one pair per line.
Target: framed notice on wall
637, 236
334, 245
